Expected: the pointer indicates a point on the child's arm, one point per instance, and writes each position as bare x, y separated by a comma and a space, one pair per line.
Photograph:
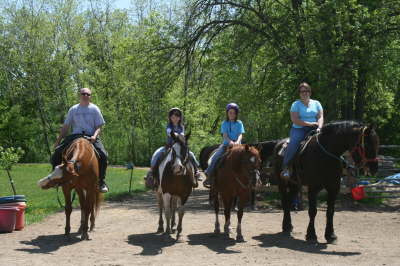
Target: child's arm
230, 142
239, 140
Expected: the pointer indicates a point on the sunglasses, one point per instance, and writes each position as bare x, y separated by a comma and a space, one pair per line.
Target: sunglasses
85, 94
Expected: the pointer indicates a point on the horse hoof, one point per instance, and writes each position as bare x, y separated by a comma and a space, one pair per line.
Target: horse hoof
160, 230
217, 231
311, 239
287, 229
239, 238
332, 239
85, 236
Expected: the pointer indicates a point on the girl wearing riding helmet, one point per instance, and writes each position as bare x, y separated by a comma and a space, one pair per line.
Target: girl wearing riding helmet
232, 132
175, 124
306, 114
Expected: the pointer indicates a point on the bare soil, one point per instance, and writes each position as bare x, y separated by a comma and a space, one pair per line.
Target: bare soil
125, 235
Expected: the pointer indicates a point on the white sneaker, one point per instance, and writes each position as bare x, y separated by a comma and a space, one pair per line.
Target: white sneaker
103, 188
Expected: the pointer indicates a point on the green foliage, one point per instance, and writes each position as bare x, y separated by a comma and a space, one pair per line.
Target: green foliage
197, 55
9, 157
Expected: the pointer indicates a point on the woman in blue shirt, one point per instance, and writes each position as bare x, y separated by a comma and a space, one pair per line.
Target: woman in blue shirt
232, 132
306, 114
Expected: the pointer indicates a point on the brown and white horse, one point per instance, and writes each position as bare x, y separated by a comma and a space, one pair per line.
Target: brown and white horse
80, 171
176, 177
235, 178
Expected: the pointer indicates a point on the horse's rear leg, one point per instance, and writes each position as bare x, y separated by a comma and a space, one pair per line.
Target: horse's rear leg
173, 210
216, 209
329, 231
68, 209
227, 212
92, 220
160, 208
239, 236
181, 212
312, 212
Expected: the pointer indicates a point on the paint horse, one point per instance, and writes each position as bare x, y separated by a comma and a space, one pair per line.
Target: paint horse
80, 171
176, 178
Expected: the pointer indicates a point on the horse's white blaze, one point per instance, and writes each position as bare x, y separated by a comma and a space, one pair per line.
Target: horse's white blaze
253, 159
56, 174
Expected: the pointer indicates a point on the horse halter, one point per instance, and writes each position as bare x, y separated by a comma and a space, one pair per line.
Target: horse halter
360, 149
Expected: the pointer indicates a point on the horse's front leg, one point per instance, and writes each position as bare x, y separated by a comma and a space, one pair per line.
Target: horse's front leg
329, 231
239, 236
160, 208
286, 201
167, 210
216, 209
84, 214
68, 208
181, 212
312, 212
227, 211
173, 210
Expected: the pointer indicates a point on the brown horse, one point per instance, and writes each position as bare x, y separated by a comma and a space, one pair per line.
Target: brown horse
235, 178
319, 166
176, 174
80, 171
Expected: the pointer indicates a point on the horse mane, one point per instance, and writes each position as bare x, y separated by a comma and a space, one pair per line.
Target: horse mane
340, 127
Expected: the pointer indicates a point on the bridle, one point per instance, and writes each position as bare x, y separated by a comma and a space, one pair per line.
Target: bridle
360, 149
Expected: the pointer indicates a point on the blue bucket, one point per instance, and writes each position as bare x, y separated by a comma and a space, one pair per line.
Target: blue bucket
12, 199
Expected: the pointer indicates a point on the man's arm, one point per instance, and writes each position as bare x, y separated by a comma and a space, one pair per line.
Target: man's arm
63, 133
96, 134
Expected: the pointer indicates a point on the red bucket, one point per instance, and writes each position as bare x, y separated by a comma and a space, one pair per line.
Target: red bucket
8, 216
20, 217
358, 193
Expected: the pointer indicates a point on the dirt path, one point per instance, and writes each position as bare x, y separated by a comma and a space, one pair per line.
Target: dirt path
125, 236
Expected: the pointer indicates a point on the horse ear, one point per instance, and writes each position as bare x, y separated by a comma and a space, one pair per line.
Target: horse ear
173, 136
188, 135
246, 147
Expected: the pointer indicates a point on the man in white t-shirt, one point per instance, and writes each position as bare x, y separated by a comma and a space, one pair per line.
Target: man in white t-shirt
85, 118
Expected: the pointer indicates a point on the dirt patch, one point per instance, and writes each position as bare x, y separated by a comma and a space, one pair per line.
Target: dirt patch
125, 235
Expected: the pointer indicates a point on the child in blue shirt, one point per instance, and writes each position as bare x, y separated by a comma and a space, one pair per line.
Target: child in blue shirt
232, 131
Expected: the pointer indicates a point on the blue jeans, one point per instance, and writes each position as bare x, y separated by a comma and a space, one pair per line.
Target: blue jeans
220, 151
297, 135
159, 151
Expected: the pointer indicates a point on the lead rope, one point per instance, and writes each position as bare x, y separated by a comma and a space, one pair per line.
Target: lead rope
59, 201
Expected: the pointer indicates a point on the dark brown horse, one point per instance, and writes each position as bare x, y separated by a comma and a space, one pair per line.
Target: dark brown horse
80, 171
319, 167
235, 178
176, 174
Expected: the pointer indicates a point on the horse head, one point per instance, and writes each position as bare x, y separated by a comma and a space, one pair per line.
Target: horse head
252, 162
180, 153
61, 174
365, 151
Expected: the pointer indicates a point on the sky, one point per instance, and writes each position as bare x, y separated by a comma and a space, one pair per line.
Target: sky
122, 3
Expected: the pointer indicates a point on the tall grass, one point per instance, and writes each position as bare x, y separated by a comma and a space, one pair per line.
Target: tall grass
42, 203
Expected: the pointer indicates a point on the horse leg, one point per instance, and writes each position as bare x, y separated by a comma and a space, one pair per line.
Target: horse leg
82, 201
253, 200
68, 209
167, 209
173, 210
329, 231
92, 220
181, 212
216, 209
285, 201
85, 209
239, 236
227, 212
312, 212
160, 208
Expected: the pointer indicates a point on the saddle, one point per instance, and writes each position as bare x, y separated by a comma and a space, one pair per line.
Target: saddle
87, 138
303, 144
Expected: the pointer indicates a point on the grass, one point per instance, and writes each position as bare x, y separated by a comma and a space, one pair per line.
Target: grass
42, 203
